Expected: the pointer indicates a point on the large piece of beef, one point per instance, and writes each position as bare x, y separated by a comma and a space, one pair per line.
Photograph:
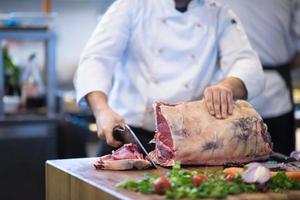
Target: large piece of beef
186, 132
127, 157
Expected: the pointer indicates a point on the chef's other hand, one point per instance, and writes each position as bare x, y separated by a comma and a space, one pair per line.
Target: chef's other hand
219, 98
106, 118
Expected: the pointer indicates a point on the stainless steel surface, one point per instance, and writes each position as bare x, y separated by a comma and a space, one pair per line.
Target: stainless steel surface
139, 144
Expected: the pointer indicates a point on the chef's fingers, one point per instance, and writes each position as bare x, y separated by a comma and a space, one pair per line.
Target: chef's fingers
208, 99
100, 133
230, 103
110, 139
224, 104
217, 103
116, 120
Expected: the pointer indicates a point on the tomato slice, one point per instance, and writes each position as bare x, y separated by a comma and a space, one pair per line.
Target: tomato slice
161, 185
198, 179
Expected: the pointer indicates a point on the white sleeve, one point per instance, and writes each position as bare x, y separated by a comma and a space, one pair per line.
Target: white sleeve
237, 58
103, 51
295, 26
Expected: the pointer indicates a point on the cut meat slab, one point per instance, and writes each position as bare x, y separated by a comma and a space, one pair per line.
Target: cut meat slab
126, 157
186, 132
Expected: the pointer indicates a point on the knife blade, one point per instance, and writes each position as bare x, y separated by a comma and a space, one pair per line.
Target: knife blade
126, 135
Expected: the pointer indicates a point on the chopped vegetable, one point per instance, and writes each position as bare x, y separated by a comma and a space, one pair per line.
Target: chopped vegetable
144, 185
198, 179
233, 170
293, 175
229, 177
256, 173
281, 182
161, 185
252, 165
180, 183
296, 155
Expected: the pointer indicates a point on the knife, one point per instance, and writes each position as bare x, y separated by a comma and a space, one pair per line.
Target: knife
126, 135
275, 161
279, 157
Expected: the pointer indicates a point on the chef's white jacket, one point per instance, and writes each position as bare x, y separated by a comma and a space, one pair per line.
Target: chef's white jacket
273, 28
144, 51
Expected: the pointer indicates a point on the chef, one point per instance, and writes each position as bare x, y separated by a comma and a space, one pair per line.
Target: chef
273, 27
144, 51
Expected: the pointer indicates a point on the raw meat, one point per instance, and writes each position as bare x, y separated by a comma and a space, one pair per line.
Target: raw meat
186, 132
126, 157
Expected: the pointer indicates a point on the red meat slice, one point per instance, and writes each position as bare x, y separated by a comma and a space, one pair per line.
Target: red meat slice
163, 139
126, 157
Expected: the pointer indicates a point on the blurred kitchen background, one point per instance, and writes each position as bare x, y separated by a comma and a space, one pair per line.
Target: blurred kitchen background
41, 41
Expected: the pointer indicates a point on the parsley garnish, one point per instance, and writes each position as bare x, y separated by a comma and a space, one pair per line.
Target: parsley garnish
215, 187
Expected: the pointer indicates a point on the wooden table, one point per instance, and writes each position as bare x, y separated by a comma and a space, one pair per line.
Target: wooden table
77, 179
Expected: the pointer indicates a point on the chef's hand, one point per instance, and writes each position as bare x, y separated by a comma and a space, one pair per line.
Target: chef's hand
106, 121
106, 118
219, 98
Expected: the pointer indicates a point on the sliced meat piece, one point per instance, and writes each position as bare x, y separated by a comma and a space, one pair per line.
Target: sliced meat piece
125, 164
186, 132
126, 157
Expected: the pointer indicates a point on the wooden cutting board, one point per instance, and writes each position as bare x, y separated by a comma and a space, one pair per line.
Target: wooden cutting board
77, 179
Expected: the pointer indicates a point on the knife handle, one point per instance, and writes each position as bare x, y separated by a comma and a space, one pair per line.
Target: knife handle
281, 157
118, 133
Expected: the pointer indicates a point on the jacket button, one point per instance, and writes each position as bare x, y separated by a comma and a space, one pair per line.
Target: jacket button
186, 85
154, 81
164, 21
193, 56
198, 25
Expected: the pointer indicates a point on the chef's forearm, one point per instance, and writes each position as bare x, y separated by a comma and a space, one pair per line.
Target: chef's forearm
97, 101
237, 87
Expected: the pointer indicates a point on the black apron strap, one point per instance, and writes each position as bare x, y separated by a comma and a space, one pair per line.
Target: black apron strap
284, 71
